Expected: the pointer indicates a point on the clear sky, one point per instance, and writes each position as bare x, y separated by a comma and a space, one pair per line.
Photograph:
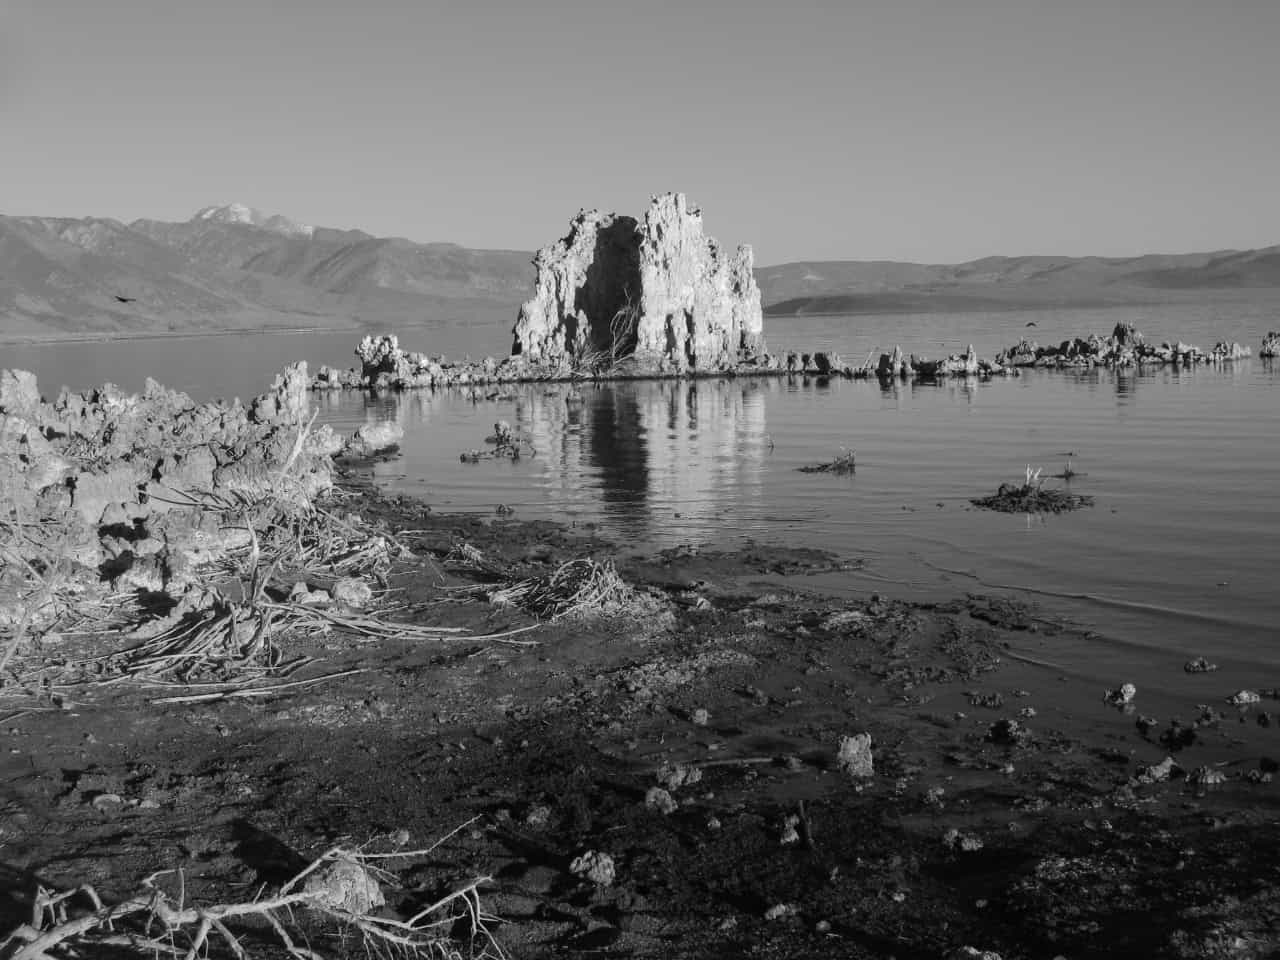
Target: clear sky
932, 131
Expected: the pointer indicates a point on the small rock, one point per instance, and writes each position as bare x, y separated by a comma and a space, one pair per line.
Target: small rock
107, 801
780, 911
1199, 665
1009, 732
790, 833
953, 839
676, 775
1243, 698
345, 885
854, 757
303, 594
700, 717
352, 592
1157, 773
594, 866
656, 798
1122, 696
972, 953
1207, 777
537, 817
1146, 724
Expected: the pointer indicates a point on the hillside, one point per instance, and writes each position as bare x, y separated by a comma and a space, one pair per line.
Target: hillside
232, 267
995, 283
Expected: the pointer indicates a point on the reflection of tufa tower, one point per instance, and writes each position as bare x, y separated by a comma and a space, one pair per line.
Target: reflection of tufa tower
631, 449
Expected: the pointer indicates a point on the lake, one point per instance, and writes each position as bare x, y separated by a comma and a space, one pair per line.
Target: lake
1177, 558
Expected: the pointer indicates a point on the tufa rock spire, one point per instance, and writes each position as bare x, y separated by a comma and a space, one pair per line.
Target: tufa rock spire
655, 295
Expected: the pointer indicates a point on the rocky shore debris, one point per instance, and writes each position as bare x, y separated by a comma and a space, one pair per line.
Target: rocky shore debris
854, 758
1009, 732
1199, 665
377, 439
1270, 345
595, 866
842, 466
177, 542
1126, 347
503, 444
1031, 496
1122, 696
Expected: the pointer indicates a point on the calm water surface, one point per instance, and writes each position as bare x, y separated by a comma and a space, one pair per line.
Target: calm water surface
1178, 557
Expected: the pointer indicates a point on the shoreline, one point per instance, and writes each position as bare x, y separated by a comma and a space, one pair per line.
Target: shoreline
1000, 808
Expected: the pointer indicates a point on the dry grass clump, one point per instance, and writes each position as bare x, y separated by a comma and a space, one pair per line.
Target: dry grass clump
581, 589
342, 889
1032, 497
222, 642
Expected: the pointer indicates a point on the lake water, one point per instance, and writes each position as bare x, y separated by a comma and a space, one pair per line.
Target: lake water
1179, 556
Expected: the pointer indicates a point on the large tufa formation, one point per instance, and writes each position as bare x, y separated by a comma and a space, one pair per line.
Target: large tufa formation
654, 296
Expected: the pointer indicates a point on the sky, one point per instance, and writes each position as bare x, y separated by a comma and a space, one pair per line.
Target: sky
934, 131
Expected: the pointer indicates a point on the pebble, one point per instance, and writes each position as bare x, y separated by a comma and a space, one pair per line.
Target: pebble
595, 866
779, 911
854, 756
656, 798
1122, 695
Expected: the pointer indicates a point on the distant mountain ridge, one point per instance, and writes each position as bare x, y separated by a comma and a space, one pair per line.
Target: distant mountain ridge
233, 267
239, 213
847, 286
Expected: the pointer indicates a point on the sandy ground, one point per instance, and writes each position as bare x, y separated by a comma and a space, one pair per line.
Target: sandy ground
1006, 810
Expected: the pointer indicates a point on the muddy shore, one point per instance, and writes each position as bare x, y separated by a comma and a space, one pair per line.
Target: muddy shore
1001, 812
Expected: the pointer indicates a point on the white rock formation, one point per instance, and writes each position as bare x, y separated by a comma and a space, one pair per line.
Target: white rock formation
659, 291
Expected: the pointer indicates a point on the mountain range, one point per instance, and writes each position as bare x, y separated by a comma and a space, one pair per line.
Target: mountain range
231, 267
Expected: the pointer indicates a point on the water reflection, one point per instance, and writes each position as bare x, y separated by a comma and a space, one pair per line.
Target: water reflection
646, 448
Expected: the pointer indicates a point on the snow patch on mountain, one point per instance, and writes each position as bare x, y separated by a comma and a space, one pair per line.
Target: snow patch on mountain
241, 213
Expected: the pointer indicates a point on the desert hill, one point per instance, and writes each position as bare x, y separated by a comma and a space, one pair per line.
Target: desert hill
993, 283
231, 267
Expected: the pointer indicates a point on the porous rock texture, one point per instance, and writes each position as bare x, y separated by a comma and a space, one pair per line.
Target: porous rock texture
121, 486
657, 294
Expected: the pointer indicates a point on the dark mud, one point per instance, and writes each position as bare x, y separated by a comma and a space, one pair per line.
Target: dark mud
995, 819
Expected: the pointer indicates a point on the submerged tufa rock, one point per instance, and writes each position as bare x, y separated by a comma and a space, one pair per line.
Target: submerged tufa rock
656, 292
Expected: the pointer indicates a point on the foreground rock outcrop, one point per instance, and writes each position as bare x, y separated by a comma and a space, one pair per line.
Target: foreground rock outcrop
132, 489
656, 293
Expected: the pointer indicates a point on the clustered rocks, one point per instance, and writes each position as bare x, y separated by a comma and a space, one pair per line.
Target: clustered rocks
120, 486
1126, 347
